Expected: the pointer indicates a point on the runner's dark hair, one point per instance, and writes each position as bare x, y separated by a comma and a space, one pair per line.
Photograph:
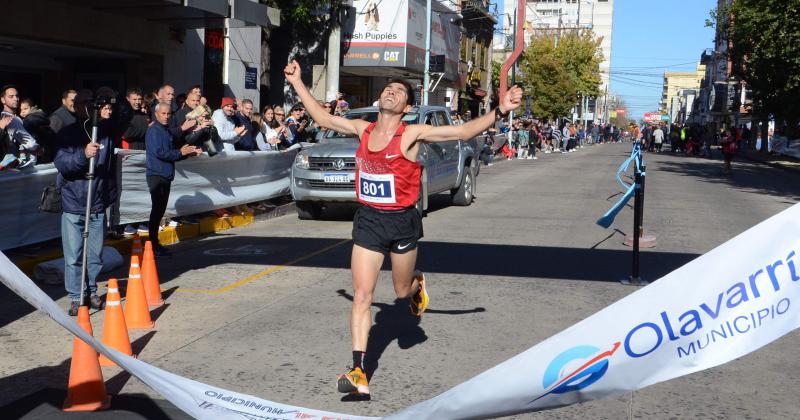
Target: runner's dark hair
409, 90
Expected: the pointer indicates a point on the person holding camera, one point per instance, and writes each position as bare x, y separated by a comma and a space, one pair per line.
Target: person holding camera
296, 124
74, 150
225, 121
161, 158
204, 134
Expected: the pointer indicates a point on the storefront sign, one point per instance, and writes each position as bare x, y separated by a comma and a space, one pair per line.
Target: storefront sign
392, 34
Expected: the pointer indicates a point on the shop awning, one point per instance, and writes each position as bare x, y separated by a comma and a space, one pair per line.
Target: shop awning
189, 13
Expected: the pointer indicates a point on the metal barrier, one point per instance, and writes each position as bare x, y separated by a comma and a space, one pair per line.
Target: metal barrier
635, 190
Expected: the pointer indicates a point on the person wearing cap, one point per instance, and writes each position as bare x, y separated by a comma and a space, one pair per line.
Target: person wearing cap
73, 153
296, 124
225, 123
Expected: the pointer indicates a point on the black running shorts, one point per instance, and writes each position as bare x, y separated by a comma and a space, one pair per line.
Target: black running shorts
385, 231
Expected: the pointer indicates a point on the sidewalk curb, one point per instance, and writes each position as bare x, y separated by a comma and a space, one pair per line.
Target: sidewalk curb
170, 235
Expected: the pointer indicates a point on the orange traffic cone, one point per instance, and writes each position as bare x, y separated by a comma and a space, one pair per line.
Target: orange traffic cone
115, 331
152, 286
136, 246
137, 314
86, 391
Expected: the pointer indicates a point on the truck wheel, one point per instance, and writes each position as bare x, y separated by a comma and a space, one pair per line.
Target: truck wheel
462, 196
307, 210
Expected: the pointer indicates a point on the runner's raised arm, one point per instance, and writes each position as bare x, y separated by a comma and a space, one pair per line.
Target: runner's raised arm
428, 133
317, 112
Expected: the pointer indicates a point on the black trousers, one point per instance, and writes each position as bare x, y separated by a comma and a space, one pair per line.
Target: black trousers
159, 195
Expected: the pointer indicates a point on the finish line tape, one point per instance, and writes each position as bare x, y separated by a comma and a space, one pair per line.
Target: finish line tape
748, 297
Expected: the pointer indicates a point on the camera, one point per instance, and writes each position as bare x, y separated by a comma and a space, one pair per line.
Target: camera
206, 138
102, 101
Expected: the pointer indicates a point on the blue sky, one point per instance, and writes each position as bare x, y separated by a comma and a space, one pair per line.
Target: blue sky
649, 38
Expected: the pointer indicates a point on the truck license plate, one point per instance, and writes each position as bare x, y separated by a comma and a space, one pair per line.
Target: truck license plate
336, 178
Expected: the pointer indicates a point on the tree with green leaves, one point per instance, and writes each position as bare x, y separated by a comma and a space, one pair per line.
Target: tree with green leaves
305, 27
555, 73
764, 46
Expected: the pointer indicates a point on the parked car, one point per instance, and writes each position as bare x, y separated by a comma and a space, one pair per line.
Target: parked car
325, 172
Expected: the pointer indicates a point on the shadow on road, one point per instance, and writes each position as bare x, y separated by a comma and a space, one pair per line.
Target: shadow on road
395, 322
46, 404
478, 259
746, 176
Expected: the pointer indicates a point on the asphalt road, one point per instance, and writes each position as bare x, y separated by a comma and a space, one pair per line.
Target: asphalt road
264, 309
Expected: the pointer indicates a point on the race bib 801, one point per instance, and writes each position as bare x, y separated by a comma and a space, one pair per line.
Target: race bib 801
376, 188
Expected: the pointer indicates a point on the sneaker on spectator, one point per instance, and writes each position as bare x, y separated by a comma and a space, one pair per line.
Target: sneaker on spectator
130, 230
173, 223
223, 213
27, 162
73, 308
9, 161
143, 229
95, 302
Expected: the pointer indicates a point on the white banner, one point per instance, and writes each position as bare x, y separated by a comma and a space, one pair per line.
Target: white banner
207, 183
729, 302
197, 399
718, 307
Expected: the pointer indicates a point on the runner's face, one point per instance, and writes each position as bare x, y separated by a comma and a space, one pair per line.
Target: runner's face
394, 98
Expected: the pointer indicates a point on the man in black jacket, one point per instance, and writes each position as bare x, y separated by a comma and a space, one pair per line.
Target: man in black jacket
161, 157
73, 153
133, 120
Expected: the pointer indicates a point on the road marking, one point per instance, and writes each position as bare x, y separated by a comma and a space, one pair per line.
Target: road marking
264, 273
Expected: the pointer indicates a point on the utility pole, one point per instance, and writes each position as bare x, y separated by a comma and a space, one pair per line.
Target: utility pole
514, 67
426, 80
332, 71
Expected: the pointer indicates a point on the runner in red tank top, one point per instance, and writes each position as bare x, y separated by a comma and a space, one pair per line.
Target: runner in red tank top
387, 176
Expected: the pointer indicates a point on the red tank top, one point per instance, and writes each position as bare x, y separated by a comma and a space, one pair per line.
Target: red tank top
386, 179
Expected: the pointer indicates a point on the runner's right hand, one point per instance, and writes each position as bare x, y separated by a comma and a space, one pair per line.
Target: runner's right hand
292, 72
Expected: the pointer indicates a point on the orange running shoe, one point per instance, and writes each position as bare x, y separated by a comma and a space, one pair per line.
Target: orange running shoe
353, 382
419, 302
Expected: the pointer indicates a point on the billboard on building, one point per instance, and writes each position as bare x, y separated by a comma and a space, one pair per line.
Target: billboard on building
392, 34
652, 117
378, 36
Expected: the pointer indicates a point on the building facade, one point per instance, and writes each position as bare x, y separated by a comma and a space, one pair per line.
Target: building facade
557, 16
475, 61
93, 43
674, 82
722, 100
386, 40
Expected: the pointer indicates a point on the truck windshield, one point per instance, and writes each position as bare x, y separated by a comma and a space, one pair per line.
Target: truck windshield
334, 136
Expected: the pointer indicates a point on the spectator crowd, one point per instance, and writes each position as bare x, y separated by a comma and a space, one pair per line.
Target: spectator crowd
165, 126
